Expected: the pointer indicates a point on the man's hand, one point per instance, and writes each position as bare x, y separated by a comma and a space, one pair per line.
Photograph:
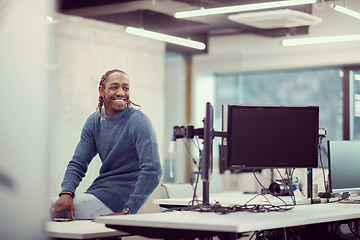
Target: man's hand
65, 202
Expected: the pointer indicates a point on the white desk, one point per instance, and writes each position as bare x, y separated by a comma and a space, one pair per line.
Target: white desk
173, 223
80, 229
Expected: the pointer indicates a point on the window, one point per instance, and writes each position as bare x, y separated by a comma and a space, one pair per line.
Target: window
354, 104
319, 87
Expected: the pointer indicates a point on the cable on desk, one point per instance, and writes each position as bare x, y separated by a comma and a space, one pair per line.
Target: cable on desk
288, 185
268, 191
247, 207
217, 208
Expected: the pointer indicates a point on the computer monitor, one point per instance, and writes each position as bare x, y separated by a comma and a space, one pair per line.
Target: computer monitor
344, 166
263, 136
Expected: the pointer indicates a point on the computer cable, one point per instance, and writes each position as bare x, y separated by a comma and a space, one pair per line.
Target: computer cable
256, 178
354, 229
196, 165
267, 190
197, 145
286, 185
192, 158
254, 208
195, 187
286, 233
247, 207
296, 235
252, 235
291, 188
267, 199
260, 235
333, 229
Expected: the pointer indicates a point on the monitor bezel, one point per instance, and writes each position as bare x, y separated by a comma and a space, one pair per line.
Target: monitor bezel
331, 188
206, 163
228, 109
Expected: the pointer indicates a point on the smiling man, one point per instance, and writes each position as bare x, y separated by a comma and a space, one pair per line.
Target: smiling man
126, 143
115, 92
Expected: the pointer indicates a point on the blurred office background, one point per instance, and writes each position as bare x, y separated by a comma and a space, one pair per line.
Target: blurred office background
53, 56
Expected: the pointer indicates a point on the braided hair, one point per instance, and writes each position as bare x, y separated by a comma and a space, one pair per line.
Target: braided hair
103, 84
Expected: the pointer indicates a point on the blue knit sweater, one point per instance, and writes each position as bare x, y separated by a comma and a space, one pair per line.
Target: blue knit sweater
127, 146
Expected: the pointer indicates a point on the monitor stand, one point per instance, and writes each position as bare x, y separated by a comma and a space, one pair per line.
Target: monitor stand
310, 185
206, 192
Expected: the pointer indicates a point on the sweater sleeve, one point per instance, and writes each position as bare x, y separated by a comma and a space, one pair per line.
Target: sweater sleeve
146, 145
84, 153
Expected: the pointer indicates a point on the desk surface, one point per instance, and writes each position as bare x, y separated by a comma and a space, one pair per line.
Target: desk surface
239, 222
80, 229
230, 198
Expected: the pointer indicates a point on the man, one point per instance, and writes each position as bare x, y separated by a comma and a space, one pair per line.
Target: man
126, 143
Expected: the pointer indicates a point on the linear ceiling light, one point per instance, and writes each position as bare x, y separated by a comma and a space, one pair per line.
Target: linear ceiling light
319, 40
241, 8
166, 38
346, 11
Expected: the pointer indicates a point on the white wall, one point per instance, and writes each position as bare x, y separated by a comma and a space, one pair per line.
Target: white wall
84, 50
24, 48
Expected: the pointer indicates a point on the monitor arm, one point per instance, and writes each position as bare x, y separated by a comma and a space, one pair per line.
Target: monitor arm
189, 132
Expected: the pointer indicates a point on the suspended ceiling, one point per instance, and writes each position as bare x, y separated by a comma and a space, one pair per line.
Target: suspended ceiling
157, 15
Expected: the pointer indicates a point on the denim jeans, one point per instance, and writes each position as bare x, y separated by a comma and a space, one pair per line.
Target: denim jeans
87, 206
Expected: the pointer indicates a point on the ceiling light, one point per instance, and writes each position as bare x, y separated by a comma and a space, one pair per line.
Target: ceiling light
241, 8
281, 18
319, 40
166, 38
346, 11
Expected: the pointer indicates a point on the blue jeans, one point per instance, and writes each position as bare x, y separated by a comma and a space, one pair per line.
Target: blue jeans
87, 206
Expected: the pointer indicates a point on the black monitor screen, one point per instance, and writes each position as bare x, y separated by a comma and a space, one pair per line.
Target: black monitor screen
272, 136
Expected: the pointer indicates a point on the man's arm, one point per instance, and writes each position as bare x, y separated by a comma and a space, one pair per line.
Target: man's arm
146, 146
84, 153
76, 169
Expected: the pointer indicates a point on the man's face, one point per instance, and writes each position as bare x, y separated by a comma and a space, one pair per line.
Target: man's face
116, 93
